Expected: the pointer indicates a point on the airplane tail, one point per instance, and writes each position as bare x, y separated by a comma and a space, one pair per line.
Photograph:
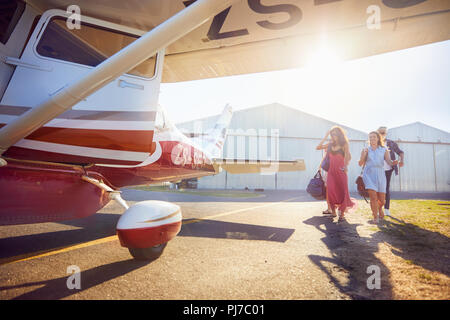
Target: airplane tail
213, 140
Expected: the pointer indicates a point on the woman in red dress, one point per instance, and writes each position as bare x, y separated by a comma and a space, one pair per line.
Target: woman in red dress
337, 180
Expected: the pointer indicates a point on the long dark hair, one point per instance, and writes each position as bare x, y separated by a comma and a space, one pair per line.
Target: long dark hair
342, 138
380, 139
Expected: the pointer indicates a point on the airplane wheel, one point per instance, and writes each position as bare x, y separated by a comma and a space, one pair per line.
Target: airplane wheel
147, 254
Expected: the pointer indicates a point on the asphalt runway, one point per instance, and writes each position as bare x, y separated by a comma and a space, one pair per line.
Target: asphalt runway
228, 248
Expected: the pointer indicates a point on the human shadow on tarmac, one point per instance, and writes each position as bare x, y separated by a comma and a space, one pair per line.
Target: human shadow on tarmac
351, 257
55, 289
231, 230
93, 227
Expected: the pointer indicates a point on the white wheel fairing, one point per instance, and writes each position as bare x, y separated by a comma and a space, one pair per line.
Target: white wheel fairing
148, 214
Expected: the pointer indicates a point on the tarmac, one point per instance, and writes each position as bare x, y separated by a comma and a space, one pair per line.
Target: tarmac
275, 246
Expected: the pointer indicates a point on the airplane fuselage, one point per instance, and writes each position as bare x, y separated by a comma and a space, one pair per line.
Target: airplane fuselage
36, 191
111, 136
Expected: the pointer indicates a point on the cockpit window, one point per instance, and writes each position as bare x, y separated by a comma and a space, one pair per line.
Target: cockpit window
89, 45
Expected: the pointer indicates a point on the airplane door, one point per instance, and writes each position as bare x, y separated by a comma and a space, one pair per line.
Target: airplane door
16, 19
114, 125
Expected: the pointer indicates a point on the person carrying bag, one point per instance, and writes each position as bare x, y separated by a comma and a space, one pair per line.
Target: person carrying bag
372, 160
338, 156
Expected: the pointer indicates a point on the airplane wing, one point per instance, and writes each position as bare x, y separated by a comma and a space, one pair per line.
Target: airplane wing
265, 35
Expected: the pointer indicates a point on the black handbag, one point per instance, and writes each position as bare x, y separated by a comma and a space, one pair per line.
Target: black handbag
326, 163
362, 187
316, 187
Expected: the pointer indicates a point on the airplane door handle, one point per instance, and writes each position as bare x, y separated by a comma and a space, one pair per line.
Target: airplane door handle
17, 62
126, 84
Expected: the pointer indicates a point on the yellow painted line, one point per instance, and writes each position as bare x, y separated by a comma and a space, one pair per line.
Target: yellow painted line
46, 253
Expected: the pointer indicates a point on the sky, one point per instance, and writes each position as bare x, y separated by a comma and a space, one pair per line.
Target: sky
391, 89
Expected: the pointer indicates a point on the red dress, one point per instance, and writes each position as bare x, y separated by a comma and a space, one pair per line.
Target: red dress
337, 183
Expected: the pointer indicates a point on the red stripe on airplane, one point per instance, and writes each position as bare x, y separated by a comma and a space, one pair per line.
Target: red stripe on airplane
123, 140
38, 155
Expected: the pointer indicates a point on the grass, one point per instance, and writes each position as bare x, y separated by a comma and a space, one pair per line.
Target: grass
425, 276
199, 192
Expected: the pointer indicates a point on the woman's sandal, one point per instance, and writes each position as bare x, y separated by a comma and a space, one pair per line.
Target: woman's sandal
327, 212
374, 221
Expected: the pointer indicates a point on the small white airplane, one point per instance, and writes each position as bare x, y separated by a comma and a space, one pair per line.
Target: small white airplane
80, 79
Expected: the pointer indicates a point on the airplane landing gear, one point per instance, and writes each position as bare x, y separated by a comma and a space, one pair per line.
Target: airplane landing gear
148, 254
147, 226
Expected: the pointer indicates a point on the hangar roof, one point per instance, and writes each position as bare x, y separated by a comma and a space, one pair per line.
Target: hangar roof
291, 122
418, 132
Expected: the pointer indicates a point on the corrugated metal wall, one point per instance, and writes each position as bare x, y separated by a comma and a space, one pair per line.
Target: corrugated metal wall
290, 149
427, 158
442, 160
427, 150
427, 168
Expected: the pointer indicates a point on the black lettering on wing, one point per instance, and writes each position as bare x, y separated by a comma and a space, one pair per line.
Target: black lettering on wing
295, 14
400, 4
319, 2
216, 25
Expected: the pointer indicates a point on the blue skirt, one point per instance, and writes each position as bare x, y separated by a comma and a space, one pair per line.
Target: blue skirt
375, 179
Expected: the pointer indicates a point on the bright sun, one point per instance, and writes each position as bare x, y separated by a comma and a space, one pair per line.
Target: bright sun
326, 84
